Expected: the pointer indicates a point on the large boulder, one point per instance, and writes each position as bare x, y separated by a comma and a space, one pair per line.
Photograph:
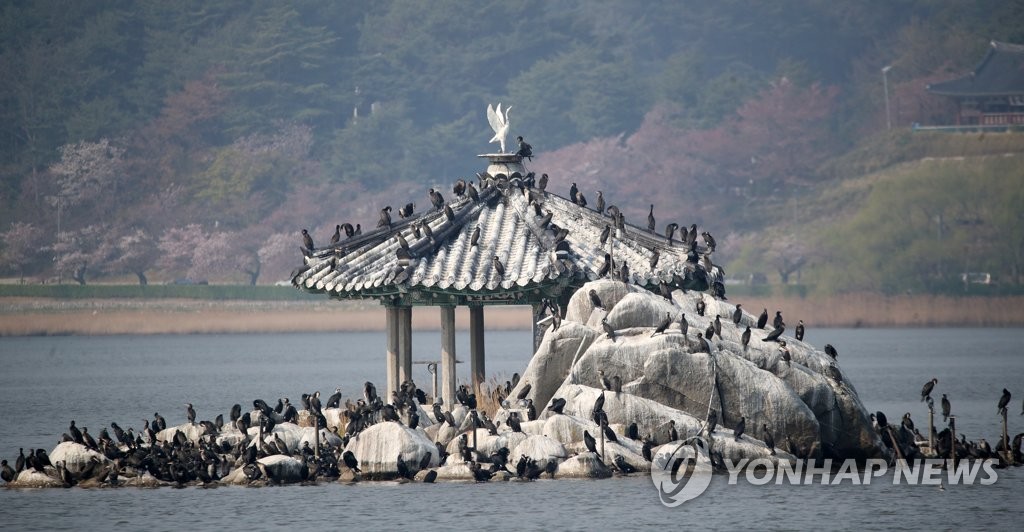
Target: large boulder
281, 469
540, 448
75, 456
671, 377
379, 447
583, 465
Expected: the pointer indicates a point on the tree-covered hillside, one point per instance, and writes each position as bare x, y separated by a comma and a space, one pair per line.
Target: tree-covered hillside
194, 139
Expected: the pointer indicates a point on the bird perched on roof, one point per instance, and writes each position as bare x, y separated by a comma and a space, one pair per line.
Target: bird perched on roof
336, 237
449, 213
498, 266
525, 150
542, 183
606, 267
436, 199
475, 237
650, 219
572, 191
605, 233
670, 231
799, 333
600, 202
307, 241
580, 199
655, 257
709, 240
459, 188
406, 211
385, 217
471, 191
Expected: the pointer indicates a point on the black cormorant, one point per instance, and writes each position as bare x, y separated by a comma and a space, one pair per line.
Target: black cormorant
799, 333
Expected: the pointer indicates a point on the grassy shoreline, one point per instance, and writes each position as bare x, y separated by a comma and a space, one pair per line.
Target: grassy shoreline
47, 316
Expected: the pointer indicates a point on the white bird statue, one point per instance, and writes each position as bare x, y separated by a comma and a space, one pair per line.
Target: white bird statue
499, 123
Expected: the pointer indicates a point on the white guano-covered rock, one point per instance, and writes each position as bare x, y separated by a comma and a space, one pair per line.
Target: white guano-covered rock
75, 456
378, 447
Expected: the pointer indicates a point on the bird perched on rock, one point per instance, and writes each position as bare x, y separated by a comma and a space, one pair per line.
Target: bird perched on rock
717, 324
762, 320
831, 351
740, 427
926, 390
737, 314
786, 356
595, 299
701, 306
799, 333
769, 441
663, 325
605, 382
608, 329
702, 345
190, 412
588, 440
777, 321
774, 335
684, 326
745, 338
557, 404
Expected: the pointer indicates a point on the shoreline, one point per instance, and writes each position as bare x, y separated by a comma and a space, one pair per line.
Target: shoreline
53, 317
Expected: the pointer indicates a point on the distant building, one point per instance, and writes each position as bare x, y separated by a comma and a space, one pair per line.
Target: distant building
993, 94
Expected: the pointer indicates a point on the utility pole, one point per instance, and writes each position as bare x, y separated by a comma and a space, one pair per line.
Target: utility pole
885, 86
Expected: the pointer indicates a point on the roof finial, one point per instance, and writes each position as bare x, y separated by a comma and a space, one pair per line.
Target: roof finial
499, 123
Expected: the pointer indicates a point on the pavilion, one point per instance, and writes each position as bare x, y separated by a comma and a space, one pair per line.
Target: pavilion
547, 246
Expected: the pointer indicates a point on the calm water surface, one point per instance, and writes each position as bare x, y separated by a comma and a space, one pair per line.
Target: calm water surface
45, 382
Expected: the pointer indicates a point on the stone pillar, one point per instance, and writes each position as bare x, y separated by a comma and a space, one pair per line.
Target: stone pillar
404, 344
391, 318
476, 348
448, 377
538, 330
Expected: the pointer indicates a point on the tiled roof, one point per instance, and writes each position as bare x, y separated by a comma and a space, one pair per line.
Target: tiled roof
374, 264
1000, 73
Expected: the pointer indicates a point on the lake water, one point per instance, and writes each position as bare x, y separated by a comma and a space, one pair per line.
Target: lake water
47, 381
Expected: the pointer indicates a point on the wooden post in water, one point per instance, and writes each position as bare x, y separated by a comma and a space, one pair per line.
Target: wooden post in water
895, 443
316, 439
476, 348
601, 430
952, 434
931, 427
1007, 454
448, 356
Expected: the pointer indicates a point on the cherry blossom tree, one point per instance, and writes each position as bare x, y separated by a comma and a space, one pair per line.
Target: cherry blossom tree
135, 252
20, 247
177, 246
